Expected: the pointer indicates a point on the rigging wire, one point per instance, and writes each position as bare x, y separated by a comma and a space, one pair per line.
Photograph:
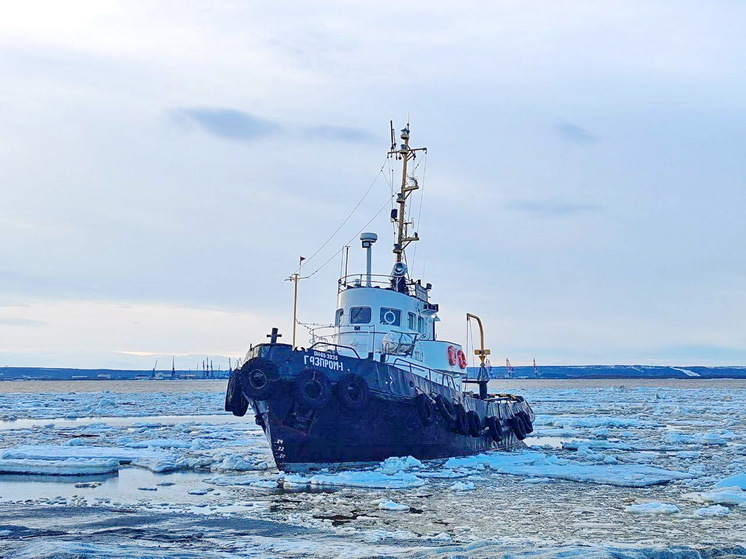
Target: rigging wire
422, 200
348, 242
365, 194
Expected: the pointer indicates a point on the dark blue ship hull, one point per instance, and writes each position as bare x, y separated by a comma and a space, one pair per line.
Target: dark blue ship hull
321, 409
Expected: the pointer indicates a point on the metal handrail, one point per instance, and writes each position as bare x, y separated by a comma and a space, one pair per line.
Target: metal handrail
370, 330
352, 281
450, 378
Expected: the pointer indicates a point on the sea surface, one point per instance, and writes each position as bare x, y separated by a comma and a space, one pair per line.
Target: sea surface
615, 468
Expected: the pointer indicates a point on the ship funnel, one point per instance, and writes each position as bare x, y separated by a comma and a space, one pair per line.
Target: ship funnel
368, 239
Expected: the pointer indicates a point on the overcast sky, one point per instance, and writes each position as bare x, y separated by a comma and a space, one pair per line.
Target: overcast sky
163, 164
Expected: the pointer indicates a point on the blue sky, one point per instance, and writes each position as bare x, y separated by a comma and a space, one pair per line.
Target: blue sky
165, 163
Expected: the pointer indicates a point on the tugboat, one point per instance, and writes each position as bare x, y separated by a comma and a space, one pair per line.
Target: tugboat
381, 383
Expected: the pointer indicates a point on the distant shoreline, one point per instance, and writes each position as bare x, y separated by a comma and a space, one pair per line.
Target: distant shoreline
554, 372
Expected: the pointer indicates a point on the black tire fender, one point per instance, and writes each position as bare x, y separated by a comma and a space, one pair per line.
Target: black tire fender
474, 423
462, 426
353, 392
232, 391
312, 389
446, 408
425, 409
516, 424
527, 425
494, 428
235, 401
258, 379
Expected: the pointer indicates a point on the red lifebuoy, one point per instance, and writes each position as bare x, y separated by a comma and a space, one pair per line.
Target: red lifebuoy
461, 356
451, 355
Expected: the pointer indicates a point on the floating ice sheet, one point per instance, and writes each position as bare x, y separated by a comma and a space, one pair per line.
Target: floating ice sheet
536, 464
58, 452
733, 481
67, 467
372, 480
653, 508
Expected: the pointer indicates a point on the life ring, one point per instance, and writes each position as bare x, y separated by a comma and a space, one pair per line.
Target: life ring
312, 389
516, 424
451, 355
461, 358
446, 408
461, 424
258, 379
353, 392
425, 409
474, 423
389, 317
493, 426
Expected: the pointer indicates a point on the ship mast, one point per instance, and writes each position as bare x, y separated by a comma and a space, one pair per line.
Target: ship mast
408, 185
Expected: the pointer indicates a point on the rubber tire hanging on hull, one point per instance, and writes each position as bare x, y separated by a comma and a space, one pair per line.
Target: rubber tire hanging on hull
258, 378
493, 426
527, 426
312, 389
474, 423
353, 392
516, 424
446, 408
234, 399
461, 424
425, 409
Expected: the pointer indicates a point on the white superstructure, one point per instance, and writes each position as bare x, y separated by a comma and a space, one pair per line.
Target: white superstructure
390, 318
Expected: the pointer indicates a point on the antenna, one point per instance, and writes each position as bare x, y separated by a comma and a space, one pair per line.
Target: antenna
393, 140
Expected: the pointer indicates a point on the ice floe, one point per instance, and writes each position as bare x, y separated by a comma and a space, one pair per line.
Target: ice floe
388, 504
535, 464
368, 479
396, 464
653, 508
714, 510
463, 486
733, 481
64, 467
722, 496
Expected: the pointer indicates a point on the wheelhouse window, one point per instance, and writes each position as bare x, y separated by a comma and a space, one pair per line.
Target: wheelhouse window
392, 317
338, 317
412, 321
421, 325
360, 315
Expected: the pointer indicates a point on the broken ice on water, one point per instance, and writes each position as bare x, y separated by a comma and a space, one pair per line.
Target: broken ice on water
636, 470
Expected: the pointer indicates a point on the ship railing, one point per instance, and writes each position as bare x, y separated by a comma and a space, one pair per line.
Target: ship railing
400, 284
439, 377
375, 339
323, 336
